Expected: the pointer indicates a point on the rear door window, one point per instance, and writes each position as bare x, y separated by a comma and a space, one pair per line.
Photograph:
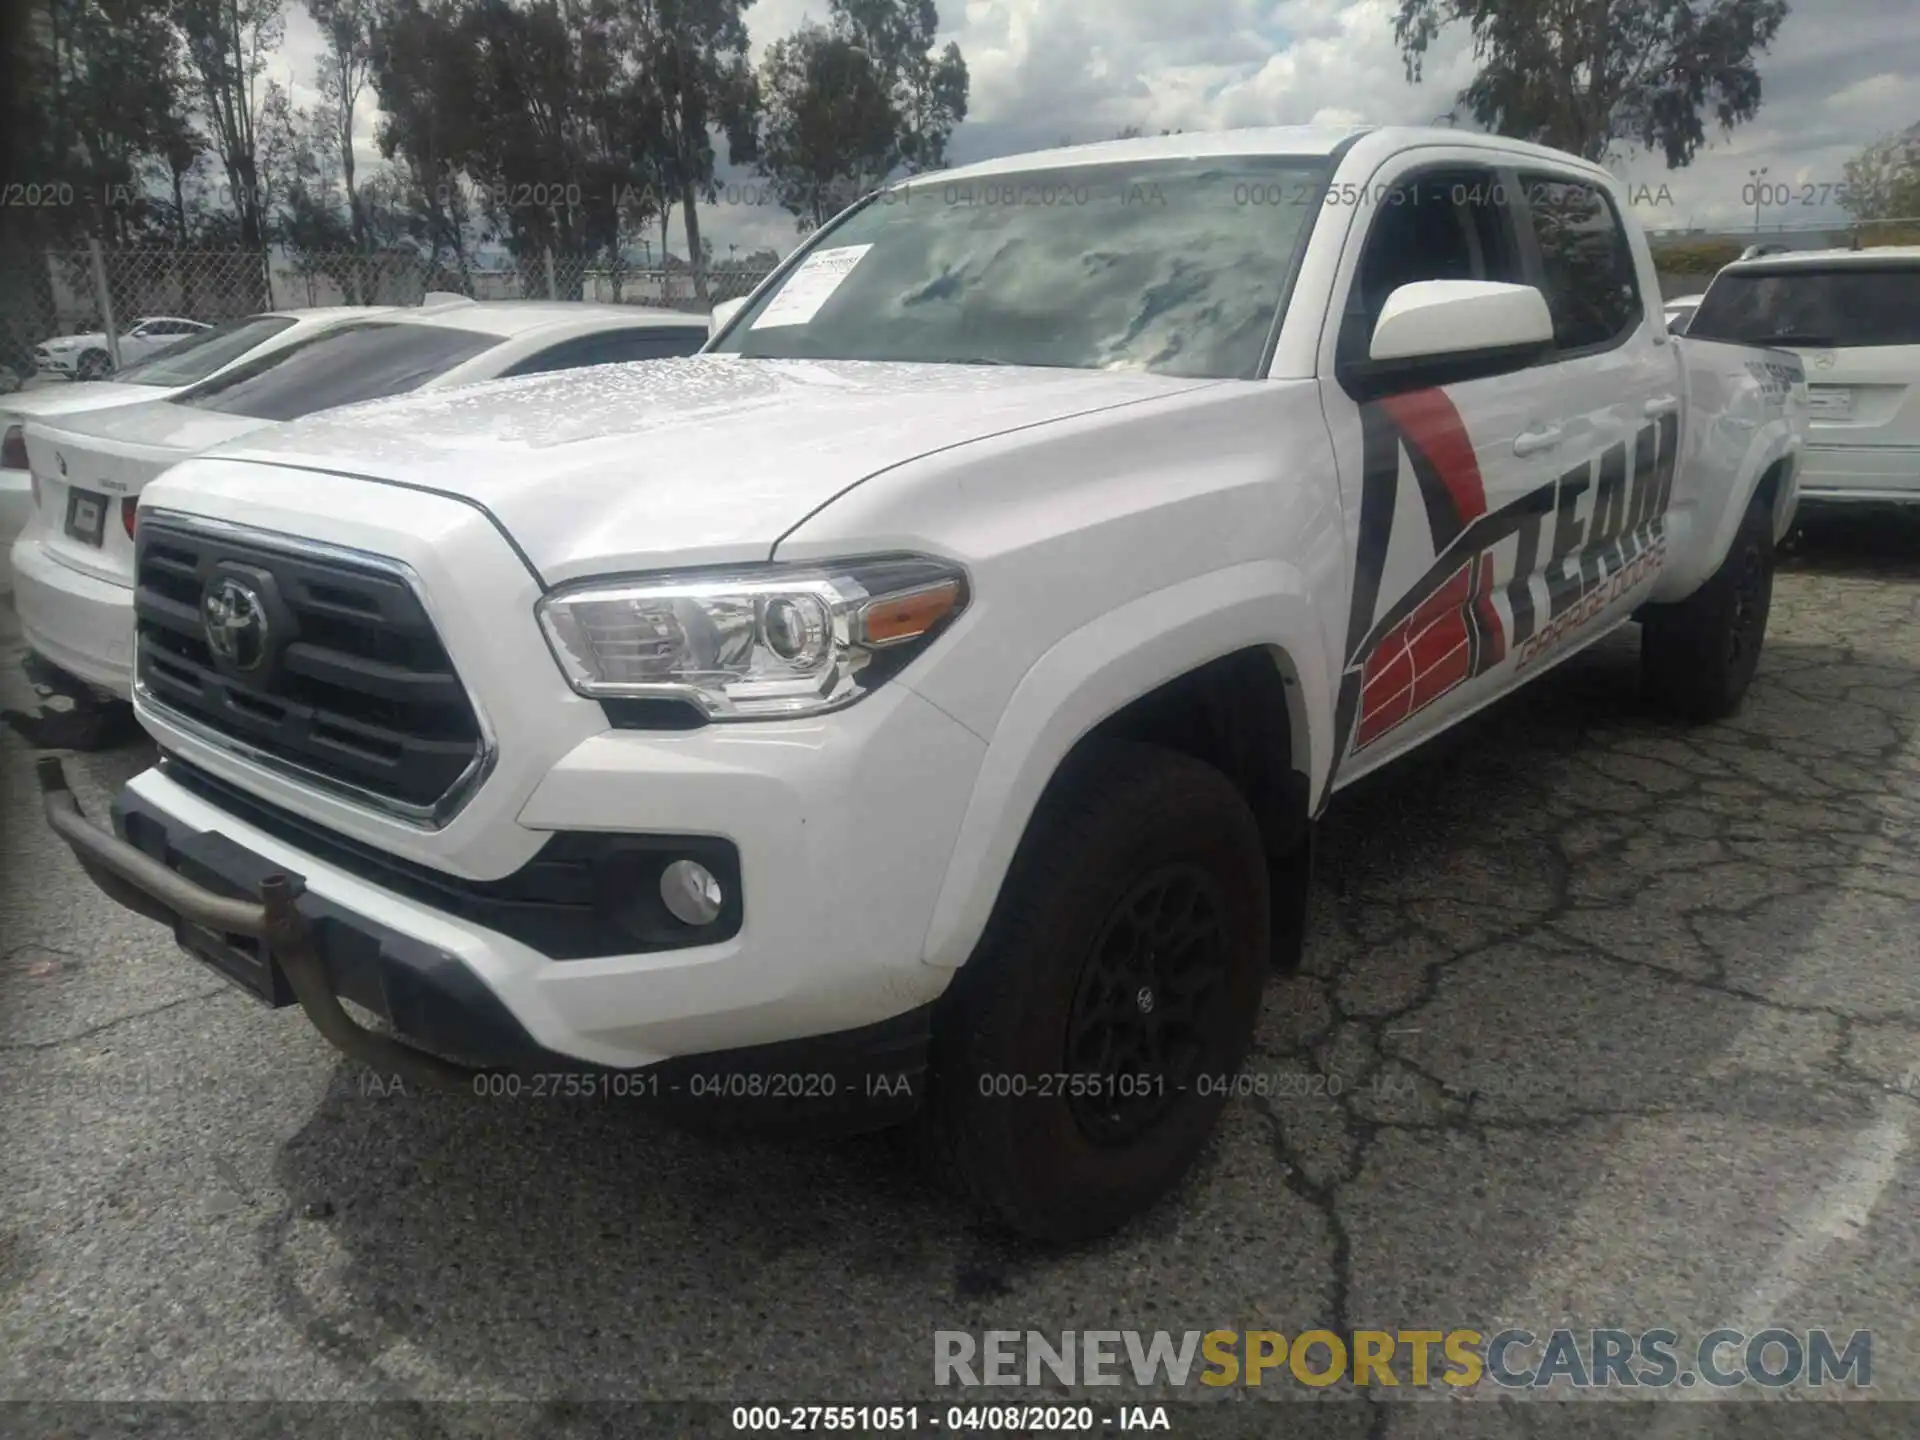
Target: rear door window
1587, 265
1843, 307
342, 366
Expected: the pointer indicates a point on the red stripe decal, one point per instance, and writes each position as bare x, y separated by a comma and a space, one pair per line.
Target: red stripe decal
1430, 424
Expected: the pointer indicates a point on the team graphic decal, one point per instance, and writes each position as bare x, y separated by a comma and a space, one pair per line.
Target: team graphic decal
1487, 586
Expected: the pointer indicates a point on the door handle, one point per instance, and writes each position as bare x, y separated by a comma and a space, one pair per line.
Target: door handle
1532, 442
1661, 405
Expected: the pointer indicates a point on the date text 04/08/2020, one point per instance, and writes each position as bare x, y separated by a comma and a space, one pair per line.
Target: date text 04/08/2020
647, 1084
958, 1419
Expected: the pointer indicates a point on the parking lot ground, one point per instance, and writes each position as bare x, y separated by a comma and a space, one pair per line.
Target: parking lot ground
1624, 1021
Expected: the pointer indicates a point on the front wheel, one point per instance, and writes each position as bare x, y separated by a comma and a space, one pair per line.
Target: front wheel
1083, 1055
93, 365
1697, 658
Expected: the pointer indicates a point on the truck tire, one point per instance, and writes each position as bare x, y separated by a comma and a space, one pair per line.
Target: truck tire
1697, 657
1082, 1055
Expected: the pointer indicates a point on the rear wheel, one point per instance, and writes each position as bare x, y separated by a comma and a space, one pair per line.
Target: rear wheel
1080, 1055
1697, 658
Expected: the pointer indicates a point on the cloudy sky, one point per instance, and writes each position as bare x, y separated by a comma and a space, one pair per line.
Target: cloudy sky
1840, 74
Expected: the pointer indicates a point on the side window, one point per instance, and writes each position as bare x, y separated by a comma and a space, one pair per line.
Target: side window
1450, 224
1587, 266
610, 348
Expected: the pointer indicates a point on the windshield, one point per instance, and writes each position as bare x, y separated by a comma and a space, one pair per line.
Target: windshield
193, 358
342, 366
1173, 266
1847, 306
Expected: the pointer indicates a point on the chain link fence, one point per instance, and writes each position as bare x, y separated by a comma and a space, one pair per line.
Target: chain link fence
64, 292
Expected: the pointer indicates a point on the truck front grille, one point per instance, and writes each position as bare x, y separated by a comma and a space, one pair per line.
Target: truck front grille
322, 661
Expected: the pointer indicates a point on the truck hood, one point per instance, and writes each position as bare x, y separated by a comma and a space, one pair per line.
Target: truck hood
701, 460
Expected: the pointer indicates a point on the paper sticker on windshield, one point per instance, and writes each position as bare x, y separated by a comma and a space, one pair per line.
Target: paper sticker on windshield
808, 288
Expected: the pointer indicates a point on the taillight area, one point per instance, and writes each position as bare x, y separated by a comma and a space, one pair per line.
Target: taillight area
129, 513
13, 448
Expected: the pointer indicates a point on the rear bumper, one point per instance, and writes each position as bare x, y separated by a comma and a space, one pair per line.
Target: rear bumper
81, 624
257, 921
1860, 473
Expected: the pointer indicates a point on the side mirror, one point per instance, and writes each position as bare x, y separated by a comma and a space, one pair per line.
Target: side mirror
1448, 317
1442, 332
722, 313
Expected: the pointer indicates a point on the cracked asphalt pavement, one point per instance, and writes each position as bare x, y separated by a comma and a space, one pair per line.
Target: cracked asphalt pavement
1624, 1020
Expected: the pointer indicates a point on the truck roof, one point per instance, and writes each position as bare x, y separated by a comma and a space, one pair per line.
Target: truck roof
1301, 140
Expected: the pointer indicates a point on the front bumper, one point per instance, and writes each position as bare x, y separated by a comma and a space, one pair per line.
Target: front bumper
82, 624
52, 364
257, 921
844, 824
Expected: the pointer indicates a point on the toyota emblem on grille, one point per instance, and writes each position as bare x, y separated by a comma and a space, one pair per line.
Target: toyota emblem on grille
236, 624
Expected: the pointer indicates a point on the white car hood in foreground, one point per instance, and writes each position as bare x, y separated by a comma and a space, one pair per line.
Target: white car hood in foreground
672, 462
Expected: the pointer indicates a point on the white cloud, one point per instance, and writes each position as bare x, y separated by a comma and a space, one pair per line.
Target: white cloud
1841, 73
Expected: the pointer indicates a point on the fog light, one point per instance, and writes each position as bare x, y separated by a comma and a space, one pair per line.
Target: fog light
690, 891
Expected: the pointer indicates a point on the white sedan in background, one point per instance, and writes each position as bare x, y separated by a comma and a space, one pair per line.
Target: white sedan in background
191, 360
73, 564
88, 357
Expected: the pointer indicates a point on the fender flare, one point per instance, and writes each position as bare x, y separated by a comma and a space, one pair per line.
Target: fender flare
1708, 538
1096, 671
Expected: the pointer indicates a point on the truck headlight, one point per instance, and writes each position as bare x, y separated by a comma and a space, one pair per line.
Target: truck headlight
753, 642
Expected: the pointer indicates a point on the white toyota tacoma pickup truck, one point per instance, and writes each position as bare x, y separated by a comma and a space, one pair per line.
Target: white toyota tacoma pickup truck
918, 705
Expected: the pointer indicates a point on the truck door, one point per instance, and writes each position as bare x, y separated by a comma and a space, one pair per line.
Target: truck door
1446, 489
1613, 412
